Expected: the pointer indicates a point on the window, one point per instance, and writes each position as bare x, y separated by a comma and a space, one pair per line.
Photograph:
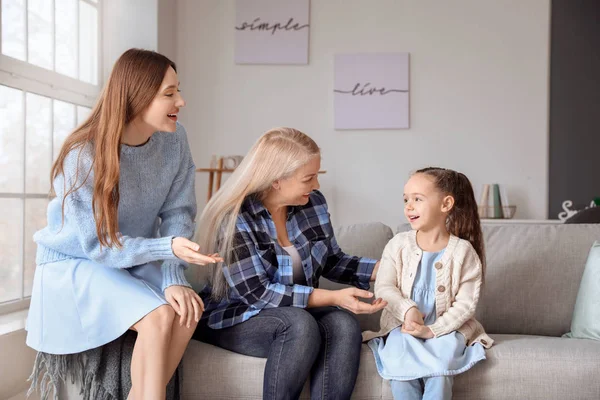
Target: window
49, 79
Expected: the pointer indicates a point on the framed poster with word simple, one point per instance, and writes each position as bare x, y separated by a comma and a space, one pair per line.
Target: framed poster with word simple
272, 31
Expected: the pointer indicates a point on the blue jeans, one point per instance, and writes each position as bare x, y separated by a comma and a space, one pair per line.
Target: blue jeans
323, 343
436, 388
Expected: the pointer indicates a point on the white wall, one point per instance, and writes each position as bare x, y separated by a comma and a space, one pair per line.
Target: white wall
479, 94
167, 28
127, 24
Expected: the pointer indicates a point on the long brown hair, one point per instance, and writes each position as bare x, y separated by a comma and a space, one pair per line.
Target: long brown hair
463, 219
133, 83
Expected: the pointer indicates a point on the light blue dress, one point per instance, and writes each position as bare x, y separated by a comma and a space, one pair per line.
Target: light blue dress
78, 304
403, 357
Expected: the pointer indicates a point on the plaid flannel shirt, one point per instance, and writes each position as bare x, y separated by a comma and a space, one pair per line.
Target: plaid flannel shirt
261, 274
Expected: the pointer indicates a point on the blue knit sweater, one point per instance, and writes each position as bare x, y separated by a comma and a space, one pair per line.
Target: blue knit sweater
157, 203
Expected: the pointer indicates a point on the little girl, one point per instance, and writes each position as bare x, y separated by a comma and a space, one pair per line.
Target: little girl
431, 278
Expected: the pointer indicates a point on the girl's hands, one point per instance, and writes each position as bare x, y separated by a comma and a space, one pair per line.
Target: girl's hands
186, 303
416, 330
188, 251
415, 326
349, 299
414, 315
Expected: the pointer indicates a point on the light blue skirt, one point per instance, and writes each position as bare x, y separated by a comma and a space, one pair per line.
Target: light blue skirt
77, 304
403, 357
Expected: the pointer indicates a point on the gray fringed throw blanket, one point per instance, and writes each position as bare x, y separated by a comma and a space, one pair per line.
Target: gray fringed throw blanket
103, 373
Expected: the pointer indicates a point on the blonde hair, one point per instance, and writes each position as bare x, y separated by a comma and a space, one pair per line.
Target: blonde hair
276, 155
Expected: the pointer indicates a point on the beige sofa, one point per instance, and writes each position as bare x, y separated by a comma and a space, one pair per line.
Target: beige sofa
532, 280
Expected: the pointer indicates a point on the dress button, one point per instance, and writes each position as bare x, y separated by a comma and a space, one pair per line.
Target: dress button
438, 265
483, 342
441, 288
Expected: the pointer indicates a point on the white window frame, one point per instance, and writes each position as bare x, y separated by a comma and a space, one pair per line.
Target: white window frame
33, 79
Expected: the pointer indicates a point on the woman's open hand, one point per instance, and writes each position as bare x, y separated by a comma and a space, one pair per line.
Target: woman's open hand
188, 251
349, 299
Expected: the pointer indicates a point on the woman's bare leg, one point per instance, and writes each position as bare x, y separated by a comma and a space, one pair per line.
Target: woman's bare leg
180, 337
150, 354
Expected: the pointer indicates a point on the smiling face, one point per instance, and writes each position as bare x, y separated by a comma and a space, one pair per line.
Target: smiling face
295, 190
161, 114
425, 206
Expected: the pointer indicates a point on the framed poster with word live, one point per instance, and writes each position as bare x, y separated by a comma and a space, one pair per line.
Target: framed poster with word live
272, 31
371, 91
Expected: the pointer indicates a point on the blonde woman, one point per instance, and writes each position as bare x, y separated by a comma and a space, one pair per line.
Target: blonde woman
271, 225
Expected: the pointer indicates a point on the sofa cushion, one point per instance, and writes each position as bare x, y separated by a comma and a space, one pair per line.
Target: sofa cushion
517, 367
364, 240
586, 317
534, 368
533, 275
210, 372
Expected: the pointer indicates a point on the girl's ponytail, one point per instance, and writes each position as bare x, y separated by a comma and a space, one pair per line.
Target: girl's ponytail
463, 220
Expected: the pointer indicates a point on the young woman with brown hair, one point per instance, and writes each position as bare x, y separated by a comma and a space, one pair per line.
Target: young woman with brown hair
113, 253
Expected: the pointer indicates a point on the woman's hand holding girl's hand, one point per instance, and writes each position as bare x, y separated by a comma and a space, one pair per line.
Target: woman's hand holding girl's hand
349, 299
188, 251
186, 303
